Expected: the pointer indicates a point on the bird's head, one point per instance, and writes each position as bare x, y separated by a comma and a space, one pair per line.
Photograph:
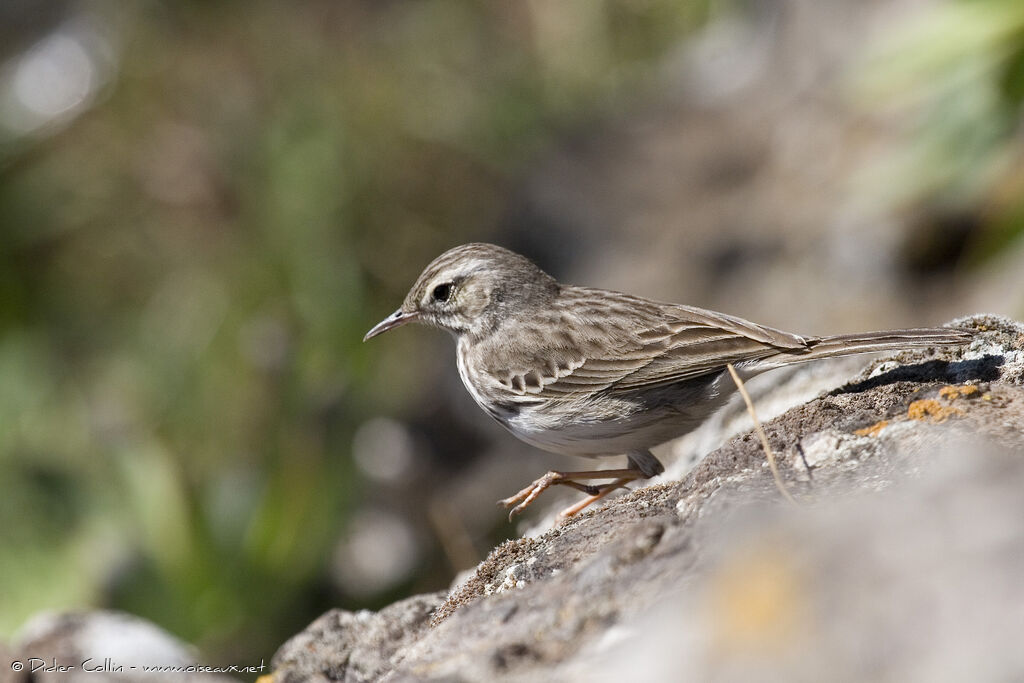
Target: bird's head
470, 290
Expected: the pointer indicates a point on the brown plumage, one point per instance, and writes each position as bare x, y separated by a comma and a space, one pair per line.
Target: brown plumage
592, 372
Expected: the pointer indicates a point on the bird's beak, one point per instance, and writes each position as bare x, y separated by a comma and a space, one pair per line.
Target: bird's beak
396, 319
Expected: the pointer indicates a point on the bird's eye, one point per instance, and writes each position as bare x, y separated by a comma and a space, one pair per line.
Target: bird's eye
442, 292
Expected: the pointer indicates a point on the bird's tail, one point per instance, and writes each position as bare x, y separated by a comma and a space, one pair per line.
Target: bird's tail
867, 342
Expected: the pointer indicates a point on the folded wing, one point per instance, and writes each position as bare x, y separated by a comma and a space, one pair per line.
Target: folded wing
616, 343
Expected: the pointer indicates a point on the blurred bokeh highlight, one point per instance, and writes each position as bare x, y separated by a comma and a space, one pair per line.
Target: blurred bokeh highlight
205, 205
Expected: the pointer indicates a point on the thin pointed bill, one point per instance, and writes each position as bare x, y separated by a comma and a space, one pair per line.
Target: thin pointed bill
396, 319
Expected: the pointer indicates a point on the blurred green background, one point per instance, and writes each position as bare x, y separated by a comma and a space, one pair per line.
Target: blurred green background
205, 205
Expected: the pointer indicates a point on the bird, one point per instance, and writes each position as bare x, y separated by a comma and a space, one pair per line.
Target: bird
593, 372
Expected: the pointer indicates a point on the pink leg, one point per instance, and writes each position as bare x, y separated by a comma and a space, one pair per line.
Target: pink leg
524, 498
601, 493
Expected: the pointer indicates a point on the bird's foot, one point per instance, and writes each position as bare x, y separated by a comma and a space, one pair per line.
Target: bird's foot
522, 500
593, 498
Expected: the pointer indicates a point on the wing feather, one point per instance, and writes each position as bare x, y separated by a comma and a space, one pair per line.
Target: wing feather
617, 343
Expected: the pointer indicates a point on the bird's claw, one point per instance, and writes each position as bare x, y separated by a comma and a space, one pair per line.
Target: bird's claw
522, 500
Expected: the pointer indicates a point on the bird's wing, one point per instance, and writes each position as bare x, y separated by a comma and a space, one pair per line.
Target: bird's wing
616, 343
694, 342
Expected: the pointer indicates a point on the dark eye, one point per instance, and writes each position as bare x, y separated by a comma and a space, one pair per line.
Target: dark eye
442, 292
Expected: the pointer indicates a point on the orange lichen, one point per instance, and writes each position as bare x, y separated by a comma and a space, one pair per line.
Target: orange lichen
931, 410
873, 430
756, 603
963, 391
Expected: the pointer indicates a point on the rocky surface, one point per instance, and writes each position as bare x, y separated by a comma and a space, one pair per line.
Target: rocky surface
901, 560
357, 646
102, 647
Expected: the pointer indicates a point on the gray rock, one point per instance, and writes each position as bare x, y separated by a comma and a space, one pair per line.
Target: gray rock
10, 664
353, 646
902, 560
101, 647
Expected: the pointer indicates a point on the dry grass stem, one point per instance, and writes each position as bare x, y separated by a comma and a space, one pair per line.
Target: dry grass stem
760, 433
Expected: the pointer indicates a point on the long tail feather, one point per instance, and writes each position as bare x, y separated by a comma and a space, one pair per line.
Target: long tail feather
867, 342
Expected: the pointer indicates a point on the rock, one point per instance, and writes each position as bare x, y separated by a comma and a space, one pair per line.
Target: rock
353, 646
101, 647
10, 667
900, 561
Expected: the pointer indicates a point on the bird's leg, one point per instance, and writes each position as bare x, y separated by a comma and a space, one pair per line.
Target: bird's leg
602, 491
524, 498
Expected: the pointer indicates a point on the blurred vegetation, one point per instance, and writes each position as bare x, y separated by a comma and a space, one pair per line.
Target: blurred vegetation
188, 266
959, 70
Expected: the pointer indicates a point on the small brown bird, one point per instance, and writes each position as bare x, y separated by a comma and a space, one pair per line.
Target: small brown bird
592, 372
